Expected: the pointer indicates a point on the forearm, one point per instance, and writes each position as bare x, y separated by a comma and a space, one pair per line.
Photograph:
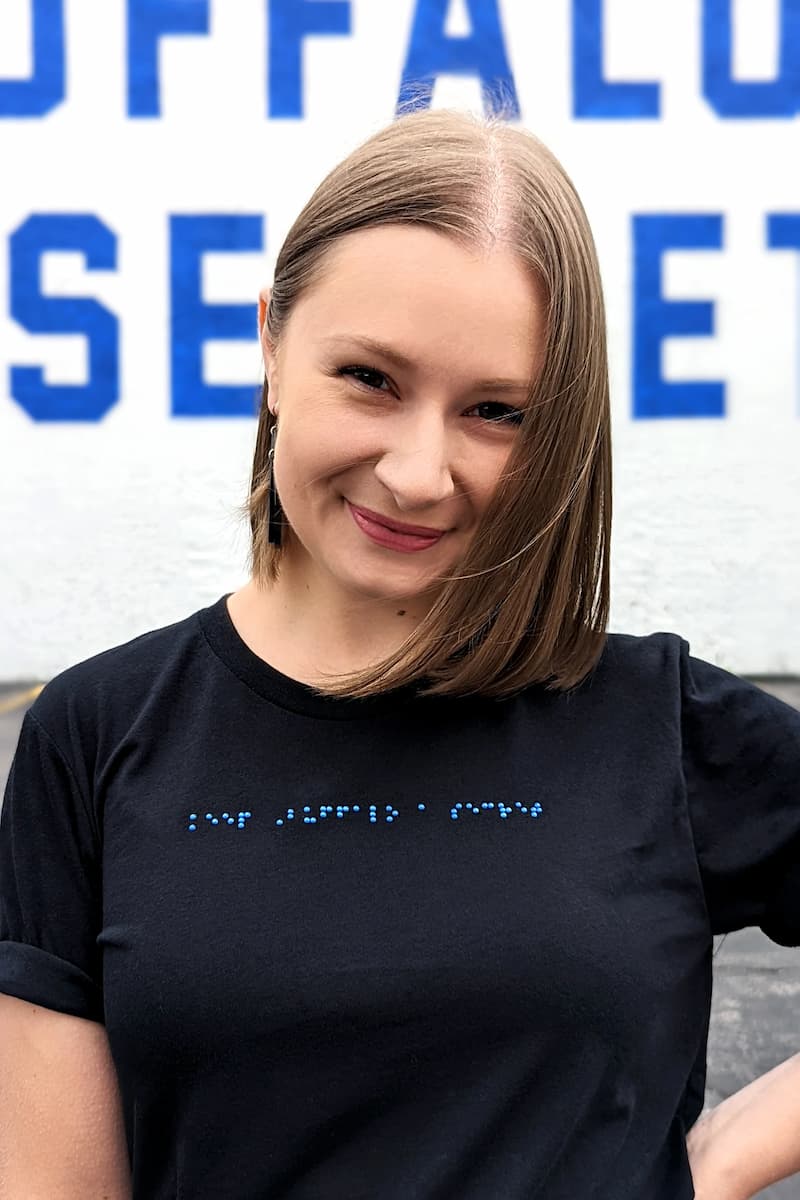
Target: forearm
755, 1133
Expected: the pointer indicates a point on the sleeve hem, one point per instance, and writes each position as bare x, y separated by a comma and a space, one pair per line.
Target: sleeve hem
35, 975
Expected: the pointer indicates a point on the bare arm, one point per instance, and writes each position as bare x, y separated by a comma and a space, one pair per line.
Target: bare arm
750, 1140
61, 1129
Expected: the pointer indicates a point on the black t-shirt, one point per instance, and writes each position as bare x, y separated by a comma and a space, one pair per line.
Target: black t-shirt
402, 948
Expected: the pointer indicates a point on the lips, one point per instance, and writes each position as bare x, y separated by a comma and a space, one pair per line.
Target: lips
392, 539
413, 530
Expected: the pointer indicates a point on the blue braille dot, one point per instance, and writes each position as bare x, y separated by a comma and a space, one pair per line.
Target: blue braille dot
453, 816
340, 814
313, 820
192, 828
534, 814
248, 814
373, 819
306, 808
225, 816
214, 821
209, 816
306, 820
323, 813
355, 807
491, 805
278, 822
459, 805
420, 807
524, 809
230, 820
290, 816
390, 818
241, 825
192, 816
504, 815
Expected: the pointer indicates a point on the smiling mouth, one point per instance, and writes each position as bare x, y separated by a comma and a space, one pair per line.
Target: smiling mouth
392, 539
422, 531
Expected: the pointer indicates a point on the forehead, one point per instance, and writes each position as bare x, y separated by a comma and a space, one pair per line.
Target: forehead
430, 297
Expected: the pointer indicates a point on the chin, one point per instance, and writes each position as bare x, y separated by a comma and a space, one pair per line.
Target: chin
385, 583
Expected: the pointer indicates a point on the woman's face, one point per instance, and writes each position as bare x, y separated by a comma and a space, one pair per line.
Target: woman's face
419, 442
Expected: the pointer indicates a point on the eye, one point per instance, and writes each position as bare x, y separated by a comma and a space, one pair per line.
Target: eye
505, 414
353, 371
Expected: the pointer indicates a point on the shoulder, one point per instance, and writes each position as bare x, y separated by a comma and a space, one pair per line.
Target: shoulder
108, 688
640, 662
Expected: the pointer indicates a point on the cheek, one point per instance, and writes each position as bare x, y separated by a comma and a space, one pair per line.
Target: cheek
486, 475
324, 444
310, 455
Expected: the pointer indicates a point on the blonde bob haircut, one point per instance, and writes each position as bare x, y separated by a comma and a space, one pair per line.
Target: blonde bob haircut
528, 603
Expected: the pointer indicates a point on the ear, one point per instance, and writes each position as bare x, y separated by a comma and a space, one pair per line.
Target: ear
267, 348
263, 302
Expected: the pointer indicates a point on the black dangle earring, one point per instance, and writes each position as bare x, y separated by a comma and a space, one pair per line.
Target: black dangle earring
274, 510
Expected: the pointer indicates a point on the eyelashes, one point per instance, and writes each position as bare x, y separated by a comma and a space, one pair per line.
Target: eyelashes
507, 416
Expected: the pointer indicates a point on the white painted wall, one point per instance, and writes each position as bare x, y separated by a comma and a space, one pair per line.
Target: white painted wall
110, 528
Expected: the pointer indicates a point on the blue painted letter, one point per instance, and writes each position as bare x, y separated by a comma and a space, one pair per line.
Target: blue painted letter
148, 22
194, 322
656, 318
481, 53
593, 95
735, 98
44, 91
783, 233
290, 21
37, 313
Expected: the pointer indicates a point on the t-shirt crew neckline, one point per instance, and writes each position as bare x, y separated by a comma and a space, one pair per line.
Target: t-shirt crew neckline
227, 643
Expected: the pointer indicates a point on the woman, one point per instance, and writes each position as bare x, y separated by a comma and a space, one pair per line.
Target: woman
392, 874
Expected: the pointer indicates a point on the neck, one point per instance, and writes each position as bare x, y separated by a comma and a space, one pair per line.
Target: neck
306, 626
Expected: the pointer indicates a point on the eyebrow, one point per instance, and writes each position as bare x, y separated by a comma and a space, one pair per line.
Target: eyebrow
373, 346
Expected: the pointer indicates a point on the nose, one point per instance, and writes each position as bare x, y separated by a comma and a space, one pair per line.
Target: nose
416, 466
